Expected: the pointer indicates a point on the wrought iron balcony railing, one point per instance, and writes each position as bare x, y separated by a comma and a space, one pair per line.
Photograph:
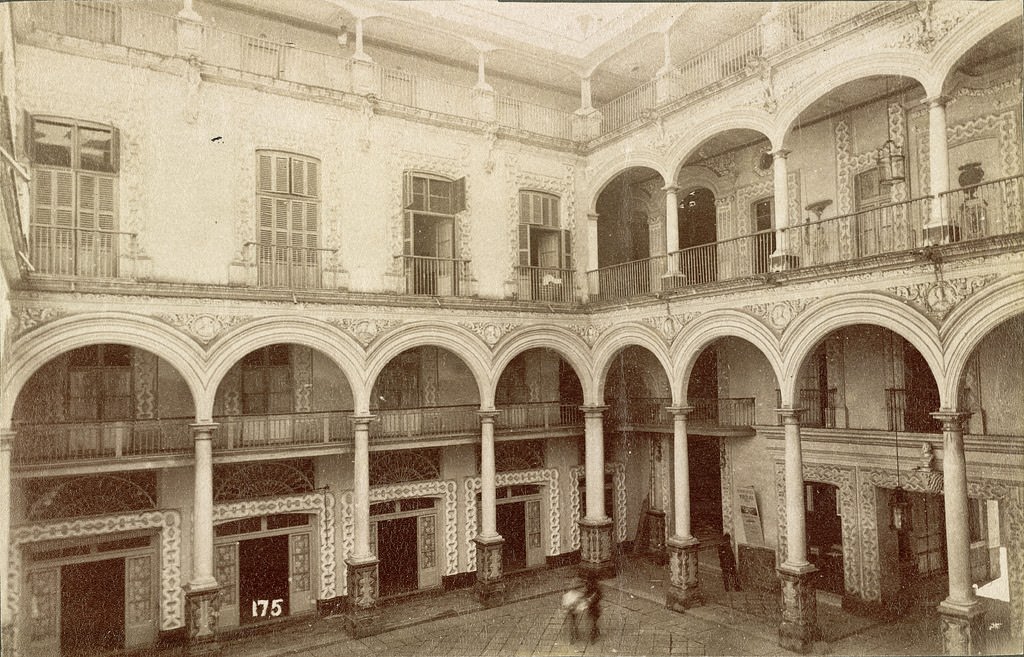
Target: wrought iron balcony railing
292, 267
537, 415
438, 277
546, 284
282, 429
77, 441
79, 252
426, 421
653, 411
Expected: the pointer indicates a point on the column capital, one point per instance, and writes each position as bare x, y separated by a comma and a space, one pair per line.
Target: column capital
678, 411
789, 414
365, 420
951, 420
671, 188
593, 216
593, 411
935, 101
487, 415
780, 154
203, 430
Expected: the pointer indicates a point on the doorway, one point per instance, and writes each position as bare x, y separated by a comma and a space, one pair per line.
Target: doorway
825, 534
398, 567
697, 228
705, 486
511, 521
263, 578
92, 607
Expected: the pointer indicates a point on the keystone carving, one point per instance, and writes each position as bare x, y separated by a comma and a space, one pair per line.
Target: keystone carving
779, 315
937, 298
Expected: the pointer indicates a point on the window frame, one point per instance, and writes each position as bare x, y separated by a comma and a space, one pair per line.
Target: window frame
548, 222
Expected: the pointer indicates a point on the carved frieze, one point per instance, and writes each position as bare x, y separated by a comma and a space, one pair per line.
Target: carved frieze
490, 332
778, 315
365, 330
26, 319
937, 298
204, 328
929, 29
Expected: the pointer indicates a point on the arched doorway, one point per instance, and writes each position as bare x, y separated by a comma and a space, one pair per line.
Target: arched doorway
697, 235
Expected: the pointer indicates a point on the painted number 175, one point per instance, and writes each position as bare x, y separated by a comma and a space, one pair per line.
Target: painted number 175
264, 608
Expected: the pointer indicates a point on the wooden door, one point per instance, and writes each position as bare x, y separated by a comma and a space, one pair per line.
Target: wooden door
426, 541
300, 572
140, 617
226, 567
534, 534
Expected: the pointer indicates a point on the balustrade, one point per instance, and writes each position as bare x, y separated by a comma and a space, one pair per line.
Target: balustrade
720, 412
986, 209
79, 252
439, 277
75, 441
255, 431
546, 284
426, 421
537, 415
292, 267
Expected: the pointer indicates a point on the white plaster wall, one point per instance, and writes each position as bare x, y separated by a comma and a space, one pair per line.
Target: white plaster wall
1001, 356
563, 454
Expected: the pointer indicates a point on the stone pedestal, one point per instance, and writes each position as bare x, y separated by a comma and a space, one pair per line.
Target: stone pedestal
586, 124
655, 535
596, 548
365, 80
962, 628
490, 581
190, 33
485, 103
799, 628
361, 615
202, 609
684, 581
784, 261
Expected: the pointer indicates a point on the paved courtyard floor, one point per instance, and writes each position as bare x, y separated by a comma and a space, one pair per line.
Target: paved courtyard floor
634, 622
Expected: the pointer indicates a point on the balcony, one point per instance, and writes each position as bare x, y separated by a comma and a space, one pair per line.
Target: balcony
725, 416
291, 267
80, 252
546, 284
244, 432
430, 421
971, 214
437, 277
80, 441
538, 415
819, 408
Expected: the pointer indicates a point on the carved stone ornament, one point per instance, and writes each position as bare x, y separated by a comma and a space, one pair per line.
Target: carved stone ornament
366, 330
27, 319
203, 328
618, 472
928, 30
779, 315
937, 298
490, 332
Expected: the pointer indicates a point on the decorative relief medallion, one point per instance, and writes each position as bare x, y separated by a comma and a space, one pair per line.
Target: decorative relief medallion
590, 332
365, 330
937, 298
204, 328
669, 325
490, 332
779, 315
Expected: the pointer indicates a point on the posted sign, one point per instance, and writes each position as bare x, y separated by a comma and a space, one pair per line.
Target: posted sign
752, 531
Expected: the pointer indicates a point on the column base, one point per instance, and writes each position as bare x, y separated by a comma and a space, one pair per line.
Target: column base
784, 261
202, 610
962, 628
596, 548
940, 234
362, 617
684, 580
490, 580
799, 628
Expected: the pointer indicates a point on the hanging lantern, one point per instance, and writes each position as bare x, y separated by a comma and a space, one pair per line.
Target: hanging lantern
899, 509
890, 163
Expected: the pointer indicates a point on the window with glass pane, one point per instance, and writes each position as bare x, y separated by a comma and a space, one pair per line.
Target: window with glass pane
74, 216
544, 248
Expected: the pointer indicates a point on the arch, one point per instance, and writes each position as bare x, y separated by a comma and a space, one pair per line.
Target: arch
694, 177
618, 165
564, 342
617, 339
697, 335
903, 63
463, 343
32, 351
706, 128
960, 41
968, 325
342, 349
872, 308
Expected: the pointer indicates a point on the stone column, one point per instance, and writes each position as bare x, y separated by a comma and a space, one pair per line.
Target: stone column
6, 615
684, 589
799, 627
361, 615
671, 231
483, 93
490, 582
961, 614
586, 122
782, 259
365, 80
202, 594
596, 528
938, 230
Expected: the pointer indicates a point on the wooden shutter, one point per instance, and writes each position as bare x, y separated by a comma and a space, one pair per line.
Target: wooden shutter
53, 195
298, 175
524, 245
566, 249
312, 178
407, 190
265, 173
458, 195
115, 150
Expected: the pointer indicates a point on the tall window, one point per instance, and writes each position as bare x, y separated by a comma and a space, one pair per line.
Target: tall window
763, 211
100, 383
545, 250
267, 381
288, 196
74, 197
432, 233
873, 224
